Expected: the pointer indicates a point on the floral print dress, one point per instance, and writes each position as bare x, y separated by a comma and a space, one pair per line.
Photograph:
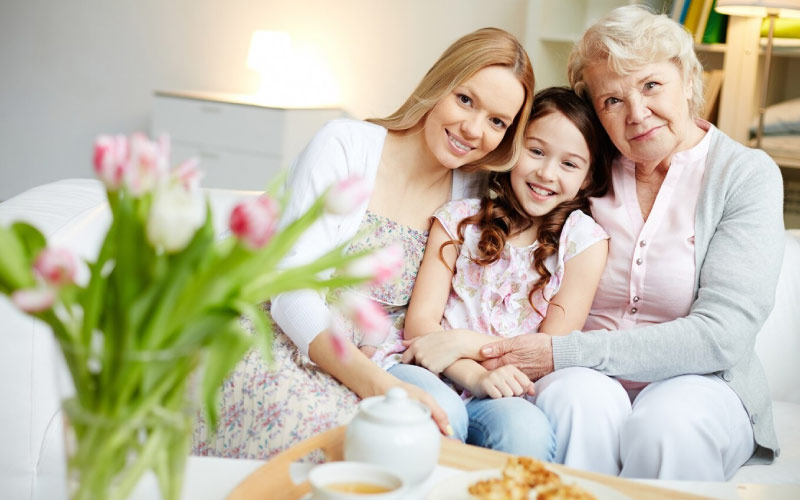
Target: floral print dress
493, 299
266, 408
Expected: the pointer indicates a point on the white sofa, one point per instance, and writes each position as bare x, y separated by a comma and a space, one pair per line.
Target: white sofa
73, 213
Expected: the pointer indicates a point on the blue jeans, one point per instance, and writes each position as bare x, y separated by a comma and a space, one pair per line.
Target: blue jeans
513, 425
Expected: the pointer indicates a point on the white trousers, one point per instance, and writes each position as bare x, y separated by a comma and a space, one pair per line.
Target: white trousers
691, 427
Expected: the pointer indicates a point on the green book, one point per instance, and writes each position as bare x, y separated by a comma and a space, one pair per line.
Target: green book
716, 27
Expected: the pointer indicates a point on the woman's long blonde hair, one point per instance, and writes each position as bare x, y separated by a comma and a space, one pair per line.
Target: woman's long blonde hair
468, 55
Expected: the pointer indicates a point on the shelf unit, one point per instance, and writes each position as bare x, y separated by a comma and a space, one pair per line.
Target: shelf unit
552, 27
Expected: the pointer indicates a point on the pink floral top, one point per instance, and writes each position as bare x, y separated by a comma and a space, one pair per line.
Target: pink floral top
493, 299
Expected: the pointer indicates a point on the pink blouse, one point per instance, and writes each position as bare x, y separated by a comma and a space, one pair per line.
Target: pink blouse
650, 274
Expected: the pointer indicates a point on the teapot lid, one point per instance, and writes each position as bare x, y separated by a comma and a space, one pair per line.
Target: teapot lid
395, 407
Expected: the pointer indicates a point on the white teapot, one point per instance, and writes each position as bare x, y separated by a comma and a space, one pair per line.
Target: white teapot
396, 432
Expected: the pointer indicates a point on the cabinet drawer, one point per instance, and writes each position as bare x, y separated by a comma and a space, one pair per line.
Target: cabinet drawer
252, 129
229, 169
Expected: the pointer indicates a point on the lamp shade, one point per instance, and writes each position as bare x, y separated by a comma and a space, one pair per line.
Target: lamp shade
269, 51
749, 8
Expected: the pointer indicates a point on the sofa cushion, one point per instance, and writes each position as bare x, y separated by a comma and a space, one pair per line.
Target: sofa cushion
778, 342
786, 467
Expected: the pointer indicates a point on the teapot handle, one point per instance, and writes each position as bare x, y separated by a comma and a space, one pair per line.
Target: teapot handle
298, 472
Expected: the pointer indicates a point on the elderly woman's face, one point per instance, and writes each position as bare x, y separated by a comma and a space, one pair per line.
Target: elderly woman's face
646, 113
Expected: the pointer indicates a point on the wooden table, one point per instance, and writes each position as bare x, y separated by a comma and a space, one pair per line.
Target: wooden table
271, 480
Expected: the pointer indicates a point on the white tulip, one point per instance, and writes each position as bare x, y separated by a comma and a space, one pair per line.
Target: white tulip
175, 215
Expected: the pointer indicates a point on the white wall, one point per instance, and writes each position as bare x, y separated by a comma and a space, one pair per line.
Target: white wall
72, 70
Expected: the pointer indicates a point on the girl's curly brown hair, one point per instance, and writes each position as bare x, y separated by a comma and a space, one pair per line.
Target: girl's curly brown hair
501, 215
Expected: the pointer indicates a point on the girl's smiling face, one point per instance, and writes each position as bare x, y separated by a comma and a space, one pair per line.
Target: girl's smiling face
554, 167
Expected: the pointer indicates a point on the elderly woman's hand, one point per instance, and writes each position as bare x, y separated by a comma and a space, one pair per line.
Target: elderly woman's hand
532, 353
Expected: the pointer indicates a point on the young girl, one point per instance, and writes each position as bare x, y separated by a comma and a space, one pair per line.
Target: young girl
524, 258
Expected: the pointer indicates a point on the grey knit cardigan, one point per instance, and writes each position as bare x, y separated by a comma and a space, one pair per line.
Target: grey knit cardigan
739, 238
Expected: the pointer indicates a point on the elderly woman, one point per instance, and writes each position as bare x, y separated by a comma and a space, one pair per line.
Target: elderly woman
664, 381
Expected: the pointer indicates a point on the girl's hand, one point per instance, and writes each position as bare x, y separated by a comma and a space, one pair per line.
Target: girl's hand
504, 382
368, 350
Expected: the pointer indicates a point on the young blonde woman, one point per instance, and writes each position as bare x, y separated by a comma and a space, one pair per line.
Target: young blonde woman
464, 115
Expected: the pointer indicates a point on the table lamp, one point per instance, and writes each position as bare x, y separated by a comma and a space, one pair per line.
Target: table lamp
771, 10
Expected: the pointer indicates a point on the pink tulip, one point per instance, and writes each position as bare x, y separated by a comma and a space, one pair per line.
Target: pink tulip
34, 300
111, 159
339, 341
381, 266
149, 163
346, 195
255, 220
188, 174
367, 316
57, 266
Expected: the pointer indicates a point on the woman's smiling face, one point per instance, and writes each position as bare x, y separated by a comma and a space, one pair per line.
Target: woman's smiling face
467, 124
646, 113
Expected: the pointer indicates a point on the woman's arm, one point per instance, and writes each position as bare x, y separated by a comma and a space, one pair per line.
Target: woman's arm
569, 308
367, 379
339, 150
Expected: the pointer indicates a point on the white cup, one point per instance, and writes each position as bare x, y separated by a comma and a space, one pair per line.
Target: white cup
324, 475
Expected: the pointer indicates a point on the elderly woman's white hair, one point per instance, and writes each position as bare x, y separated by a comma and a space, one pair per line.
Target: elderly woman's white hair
631, 37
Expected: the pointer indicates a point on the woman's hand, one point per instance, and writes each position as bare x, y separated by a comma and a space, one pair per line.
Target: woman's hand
532, 353
503, 382
437, 413
438, 350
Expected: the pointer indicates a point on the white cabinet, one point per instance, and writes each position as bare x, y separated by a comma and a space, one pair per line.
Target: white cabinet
240, 143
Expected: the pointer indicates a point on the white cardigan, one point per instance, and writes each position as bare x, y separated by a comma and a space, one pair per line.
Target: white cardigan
342, 148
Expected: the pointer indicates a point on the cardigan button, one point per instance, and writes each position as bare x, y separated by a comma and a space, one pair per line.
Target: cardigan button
642, 243
754, 418
726, 376
634, 310
639, 262
777, 452
636, 298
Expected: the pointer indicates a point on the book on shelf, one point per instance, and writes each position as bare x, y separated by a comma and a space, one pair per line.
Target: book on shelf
716, 27
693, 15
712, 83
699, 17
784, 28
677, 12
705, 11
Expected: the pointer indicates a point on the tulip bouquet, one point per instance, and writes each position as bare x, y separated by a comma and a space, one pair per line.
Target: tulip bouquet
159, 311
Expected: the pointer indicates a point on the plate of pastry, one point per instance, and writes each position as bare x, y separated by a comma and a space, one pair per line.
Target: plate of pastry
521, 479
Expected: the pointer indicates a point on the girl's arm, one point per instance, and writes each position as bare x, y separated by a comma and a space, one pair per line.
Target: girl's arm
432, 286
426, 308
569, 308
